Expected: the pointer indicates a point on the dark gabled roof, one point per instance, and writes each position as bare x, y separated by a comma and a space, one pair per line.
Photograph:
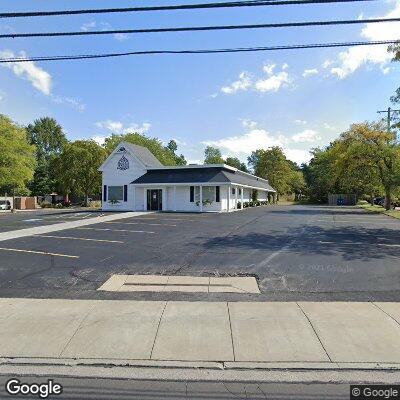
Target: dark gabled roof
144, 155
192, 175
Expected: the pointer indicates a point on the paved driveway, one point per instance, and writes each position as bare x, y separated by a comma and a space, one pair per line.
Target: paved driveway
296, 253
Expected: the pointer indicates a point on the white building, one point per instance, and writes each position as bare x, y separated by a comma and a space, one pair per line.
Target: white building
134, 180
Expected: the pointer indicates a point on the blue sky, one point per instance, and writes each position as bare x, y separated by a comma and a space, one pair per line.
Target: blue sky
238, 102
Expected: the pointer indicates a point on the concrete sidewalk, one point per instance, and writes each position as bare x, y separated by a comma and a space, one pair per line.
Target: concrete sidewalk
240, 334
40, 230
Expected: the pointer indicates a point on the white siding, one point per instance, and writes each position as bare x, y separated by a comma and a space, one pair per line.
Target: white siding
115, 177
183, 200
262, 196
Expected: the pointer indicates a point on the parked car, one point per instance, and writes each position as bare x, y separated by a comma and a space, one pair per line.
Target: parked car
5, 205
379, 201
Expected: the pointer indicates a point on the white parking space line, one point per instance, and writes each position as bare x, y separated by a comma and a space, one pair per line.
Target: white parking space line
32, 220
367, 221
360, 243
138, 223
168, 219
116, 230
79, 238
44, 253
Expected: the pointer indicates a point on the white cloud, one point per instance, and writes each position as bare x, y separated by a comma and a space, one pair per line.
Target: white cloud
272, 83
241, 146
306, 136
114, 126
39, 78
297, 155
103, 26
87, 26
254, 138
121, 36
248, 123
300, 122
70, 101
269, 68
352, 59
246, 143
99, 139
242, 84
309, 72
119, 127
330, 127
327, 63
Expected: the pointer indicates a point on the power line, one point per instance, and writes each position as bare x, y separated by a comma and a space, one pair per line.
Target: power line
197, 28
199, 51
252, 3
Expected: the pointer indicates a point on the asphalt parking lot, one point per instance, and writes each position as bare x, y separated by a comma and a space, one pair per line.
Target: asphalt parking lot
46, 216
296, 253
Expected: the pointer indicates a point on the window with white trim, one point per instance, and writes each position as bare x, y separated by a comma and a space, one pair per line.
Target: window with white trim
208, 194
116, 193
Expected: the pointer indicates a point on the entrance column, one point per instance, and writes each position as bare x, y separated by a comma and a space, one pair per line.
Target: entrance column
134, 198
144, 199
201, 198
174, 198
236, 197
229, 198
242, 189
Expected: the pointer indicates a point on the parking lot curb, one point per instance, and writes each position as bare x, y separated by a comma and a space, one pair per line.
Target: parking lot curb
209, 365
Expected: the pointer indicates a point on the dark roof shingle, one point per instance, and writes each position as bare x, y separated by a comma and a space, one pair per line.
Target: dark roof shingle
218, 174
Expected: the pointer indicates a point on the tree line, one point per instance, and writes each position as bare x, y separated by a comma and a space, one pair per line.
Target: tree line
38, 159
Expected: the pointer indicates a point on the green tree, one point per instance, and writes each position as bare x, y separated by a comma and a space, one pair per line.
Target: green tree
49, 139
318, 174
76, 168
236, 163
163, 154
17, 157
172, 147
379, 155
396, 98
212, 155
272, 165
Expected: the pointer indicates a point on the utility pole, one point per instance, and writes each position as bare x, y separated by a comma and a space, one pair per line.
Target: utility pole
389, 112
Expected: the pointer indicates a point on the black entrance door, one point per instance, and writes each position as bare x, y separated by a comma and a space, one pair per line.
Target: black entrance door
154, 199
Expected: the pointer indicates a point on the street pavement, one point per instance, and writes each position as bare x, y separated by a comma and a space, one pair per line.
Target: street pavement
296, 253
132, 389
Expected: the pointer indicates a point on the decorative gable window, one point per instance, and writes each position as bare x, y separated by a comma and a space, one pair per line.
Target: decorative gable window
123, 164
121, 149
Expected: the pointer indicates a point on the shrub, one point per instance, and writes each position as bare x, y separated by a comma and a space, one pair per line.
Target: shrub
251, 204
239, 205
45, 204
245, 204
95, 204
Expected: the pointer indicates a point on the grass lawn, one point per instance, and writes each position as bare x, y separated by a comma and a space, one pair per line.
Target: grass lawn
379, 210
